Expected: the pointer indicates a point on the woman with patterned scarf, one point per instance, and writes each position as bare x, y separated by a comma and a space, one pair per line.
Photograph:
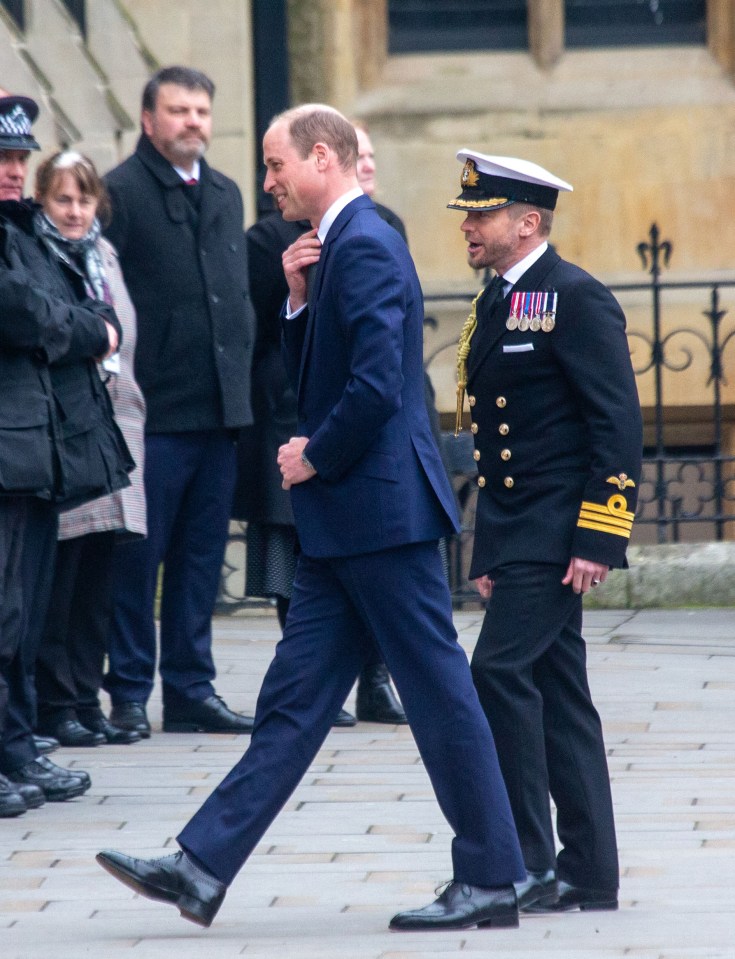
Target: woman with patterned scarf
70, 663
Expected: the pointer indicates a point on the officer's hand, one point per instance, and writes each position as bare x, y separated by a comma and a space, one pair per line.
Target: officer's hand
583, 574
484, 586
297, 259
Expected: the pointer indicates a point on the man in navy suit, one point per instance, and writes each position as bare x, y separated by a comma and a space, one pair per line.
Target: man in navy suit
558, 440
370, 499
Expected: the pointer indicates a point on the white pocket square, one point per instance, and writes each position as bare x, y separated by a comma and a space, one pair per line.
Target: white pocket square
519, 348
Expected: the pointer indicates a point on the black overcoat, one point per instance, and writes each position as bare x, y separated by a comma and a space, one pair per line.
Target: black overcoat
186, 270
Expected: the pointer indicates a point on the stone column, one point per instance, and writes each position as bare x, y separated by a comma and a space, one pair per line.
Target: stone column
546, 31
721, 33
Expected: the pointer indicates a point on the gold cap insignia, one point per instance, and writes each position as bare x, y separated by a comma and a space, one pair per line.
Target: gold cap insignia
470, 176
620, 481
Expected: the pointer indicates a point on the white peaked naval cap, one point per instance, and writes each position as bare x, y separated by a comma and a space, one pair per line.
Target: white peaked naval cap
491, 182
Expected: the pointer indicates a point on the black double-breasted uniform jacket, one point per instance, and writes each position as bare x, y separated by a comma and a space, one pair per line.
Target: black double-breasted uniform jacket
557, 425
184, 259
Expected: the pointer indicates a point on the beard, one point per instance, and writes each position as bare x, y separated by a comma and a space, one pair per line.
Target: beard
187, 149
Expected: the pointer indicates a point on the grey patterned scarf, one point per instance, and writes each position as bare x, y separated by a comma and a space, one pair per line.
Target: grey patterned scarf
75, 252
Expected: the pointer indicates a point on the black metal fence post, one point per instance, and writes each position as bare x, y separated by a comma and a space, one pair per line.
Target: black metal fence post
657, 251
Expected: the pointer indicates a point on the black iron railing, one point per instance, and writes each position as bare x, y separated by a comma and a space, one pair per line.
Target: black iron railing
687, 491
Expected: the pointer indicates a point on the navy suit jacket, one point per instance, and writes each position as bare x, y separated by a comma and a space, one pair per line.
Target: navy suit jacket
355, 357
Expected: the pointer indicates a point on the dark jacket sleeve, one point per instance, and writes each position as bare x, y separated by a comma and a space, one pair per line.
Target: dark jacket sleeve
33, 319
594, 353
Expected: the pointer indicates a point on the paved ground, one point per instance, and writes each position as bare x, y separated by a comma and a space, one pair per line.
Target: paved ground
362, 836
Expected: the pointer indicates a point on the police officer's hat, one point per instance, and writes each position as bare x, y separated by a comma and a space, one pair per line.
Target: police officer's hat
16, 116
492, 182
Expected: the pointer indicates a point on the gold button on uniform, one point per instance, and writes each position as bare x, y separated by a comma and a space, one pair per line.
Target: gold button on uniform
471, 400
508, 482
504, 429
505, 455
499, 402
474, 427
480, 481
476, 455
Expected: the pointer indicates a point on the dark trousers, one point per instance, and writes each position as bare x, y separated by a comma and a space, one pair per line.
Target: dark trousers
530, 671
70, 662
189, 479
400, 597
36, 571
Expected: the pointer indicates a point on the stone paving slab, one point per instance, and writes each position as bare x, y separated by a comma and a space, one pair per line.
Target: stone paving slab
362, 836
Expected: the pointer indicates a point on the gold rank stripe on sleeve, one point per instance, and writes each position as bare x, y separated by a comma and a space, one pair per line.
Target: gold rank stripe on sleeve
612, 518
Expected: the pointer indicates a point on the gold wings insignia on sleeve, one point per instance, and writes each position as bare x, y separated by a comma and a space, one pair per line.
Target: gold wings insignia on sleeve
621, 481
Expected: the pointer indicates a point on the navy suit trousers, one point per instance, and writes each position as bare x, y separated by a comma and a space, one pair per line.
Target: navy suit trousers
189, 480
399, 596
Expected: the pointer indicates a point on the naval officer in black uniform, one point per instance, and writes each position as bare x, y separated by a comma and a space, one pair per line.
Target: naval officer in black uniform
558, 440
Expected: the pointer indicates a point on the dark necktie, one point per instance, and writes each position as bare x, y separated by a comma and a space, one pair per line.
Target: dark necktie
311, 284
493, 293
495, 290
192, 192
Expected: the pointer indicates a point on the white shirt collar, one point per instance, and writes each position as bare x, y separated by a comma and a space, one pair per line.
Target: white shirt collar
513, 275
334, 211
186, 175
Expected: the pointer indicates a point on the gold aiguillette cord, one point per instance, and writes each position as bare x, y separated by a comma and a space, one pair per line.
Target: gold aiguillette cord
463, 351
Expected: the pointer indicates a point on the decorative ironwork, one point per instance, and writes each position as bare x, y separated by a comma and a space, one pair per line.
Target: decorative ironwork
685, 492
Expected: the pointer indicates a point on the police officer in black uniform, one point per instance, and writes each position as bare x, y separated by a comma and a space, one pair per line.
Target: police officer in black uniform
558, 439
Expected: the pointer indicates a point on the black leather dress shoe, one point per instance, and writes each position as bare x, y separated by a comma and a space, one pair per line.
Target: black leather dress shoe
114, 735
33, 796
45, 744
460, 907
344, 719
70, 732
538, 888
131, 716
56, 784
575, 897
11, 802
210, 715
175, 879
376, 701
